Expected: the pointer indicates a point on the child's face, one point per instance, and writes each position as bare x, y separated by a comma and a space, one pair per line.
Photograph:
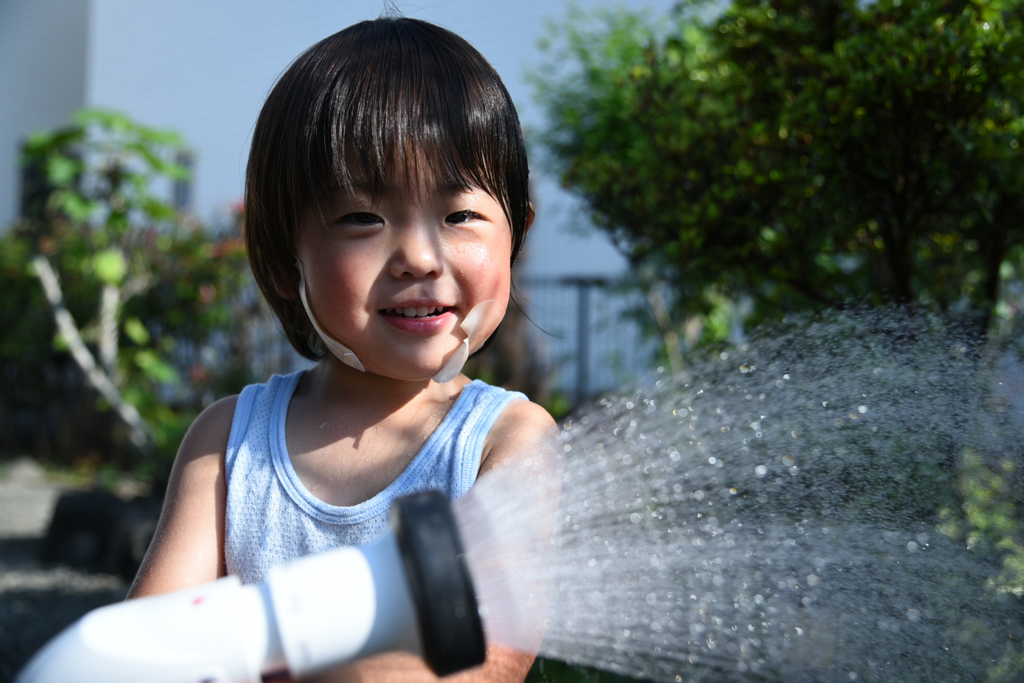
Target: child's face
393, 279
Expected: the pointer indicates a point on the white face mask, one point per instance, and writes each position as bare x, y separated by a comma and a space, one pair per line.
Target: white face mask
469, 325
343, 353
450, 370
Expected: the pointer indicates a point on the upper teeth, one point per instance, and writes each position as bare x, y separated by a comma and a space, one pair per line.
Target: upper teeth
413, 312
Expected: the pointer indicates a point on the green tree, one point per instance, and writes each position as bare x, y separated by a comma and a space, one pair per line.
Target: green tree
802, 153
140, 296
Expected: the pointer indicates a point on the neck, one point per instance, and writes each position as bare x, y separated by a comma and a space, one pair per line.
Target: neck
336, 382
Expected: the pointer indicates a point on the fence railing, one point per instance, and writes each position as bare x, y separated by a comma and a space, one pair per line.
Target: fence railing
588, 332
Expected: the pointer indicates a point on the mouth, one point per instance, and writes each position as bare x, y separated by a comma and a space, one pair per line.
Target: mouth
417, 311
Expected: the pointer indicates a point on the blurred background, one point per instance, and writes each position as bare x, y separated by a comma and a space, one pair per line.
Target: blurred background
698, 168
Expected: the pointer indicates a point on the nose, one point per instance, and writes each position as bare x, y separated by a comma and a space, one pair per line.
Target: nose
417, 252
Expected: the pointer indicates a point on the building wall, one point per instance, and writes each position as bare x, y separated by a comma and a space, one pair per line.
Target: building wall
43, 47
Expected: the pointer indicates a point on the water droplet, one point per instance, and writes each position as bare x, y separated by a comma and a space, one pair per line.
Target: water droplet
862, 409
914, 614
712, 460
761, 470
913, 547
652, 598
744, 368
636, 518
812, 579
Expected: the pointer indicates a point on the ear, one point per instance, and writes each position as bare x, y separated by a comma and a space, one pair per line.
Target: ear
530, 215
286, 285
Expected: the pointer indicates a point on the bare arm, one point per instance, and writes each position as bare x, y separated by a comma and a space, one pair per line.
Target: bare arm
502, 665
188, 546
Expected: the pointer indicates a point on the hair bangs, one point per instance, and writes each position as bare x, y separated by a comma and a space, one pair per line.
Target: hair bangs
410, 108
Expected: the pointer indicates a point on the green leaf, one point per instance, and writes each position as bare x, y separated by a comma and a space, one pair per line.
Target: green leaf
155, 367
78, 208
136, 331
110, 266
61, 171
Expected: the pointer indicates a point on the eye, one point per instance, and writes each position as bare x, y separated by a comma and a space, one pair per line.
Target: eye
461, 216
360, 218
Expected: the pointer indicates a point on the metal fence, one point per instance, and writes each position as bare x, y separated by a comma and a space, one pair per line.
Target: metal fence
588, 333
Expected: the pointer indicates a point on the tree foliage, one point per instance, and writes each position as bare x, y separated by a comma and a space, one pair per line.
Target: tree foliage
801, 152
100, 269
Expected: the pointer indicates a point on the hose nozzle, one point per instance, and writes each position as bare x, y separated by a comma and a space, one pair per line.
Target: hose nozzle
409, 590
438, 575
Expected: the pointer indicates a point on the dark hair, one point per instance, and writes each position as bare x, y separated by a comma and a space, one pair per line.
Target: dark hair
358, 108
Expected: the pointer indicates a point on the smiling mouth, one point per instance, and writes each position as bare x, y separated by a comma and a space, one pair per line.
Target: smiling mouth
416, 312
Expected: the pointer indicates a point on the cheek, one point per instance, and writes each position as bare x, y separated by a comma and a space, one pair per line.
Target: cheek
487, 270
339, 280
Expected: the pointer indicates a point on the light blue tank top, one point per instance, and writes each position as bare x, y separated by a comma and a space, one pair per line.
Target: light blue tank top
272, 518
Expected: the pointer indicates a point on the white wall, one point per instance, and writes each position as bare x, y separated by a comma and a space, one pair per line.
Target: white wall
42, 79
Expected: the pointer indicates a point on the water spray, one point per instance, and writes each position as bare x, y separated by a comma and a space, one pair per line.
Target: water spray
410, 590
816, 505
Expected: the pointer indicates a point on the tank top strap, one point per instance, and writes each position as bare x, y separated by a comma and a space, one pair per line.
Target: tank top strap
474, 416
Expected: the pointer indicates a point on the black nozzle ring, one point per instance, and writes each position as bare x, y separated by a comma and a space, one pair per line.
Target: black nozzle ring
439, 580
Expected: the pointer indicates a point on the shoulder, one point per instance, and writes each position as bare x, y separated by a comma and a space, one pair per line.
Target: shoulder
522, 424
208, 435
200, 460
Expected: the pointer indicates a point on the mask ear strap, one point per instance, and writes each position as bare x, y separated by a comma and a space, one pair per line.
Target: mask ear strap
342, 352
469, 325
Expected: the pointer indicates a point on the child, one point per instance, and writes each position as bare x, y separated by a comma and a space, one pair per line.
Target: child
386, 200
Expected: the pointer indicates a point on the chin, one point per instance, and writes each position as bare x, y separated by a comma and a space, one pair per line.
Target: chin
406, 374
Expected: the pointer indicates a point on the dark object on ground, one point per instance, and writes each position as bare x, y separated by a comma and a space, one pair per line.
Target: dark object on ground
37, 602
96, 530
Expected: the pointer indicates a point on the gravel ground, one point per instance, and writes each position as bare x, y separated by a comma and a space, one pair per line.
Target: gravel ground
37, 600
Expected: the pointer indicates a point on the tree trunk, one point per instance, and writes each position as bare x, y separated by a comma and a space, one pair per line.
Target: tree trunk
139, 432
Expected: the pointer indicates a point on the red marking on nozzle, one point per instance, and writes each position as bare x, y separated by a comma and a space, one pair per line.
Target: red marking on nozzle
198, 601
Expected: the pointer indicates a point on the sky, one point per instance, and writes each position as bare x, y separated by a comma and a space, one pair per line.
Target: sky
204, 67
